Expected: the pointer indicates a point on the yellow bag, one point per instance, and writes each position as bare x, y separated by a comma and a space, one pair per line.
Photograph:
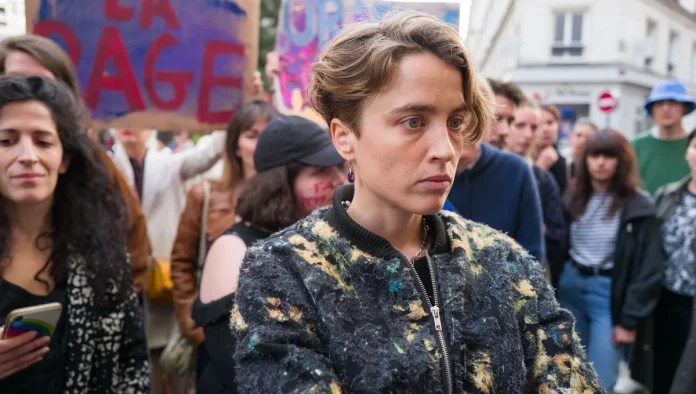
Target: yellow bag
159, 282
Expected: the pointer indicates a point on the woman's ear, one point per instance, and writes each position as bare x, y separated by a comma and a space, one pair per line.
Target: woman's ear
343, 138
64, 164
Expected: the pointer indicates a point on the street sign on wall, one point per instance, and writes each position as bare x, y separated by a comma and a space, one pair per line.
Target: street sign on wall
607, 102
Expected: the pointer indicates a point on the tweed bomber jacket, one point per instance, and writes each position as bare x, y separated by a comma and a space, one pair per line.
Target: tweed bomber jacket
325, 306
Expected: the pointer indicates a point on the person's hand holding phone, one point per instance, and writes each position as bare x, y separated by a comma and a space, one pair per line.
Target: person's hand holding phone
20, 352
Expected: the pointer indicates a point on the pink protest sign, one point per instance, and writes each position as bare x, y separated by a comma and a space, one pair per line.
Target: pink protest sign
306, 26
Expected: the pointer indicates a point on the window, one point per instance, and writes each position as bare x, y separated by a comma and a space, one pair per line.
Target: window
673, 53
650, 45
568, 32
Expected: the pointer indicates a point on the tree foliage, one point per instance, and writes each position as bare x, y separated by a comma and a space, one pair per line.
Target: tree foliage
270, 12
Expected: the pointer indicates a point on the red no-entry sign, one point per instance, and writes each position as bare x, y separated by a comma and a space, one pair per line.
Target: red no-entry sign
607, 102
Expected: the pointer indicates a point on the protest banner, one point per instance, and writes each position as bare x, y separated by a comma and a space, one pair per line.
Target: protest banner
156, 64
305, 26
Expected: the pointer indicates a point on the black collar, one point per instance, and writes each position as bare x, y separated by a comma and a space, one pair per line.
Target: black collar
370, 242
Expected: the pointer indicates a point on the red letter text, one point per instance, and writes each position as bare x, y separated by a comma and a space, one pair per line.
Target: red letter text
114, 12
179, 80
110, 47
47, 28
208, 81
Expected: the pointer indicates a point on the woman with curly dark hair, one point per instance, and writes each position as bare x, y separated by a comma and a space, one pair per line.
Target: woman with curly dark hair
62, 239
29, 55
612, 281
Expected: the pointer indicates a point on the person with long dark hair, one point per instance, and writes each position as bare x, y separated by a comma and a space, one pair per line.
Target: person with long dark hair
63, 239
611, 282
297, 173
382, 292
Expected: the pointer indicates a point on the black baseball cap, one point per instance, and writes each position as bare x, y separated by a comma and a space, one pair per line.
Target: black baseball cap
294, 139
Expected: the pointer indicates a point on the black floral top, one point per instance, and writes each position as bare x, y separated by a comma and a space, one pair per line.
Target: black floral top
678, 234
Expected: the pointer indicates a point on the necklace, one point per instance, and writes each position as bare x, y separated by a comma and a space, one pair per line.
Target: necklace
418, 255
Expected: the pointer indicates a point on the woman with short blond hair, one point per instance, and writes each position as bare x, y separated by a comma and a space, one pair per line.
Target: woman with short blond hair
382, 292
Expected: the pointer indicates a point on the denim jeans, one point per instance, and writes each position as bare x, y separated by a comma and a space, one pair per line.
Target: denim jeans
588, 298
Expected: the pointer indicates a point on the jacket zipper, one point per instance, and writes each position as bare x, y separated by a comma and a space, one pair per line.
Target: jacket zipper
435, 313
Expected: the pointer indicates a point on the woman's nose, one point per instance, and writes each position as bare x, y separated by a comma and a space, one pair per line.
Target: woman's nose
27, 155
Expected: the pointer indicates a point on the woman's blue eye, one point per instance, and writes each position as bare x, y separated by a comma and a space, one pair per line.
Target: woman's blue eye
413, 123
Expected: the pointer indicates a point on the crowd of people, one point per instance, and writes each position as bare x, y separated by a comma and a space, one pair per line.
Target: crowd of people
619, 250
323, 261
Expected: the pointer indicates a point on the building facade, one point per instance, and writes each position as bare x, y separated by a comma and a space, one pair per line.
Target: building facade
12, 19
567, 52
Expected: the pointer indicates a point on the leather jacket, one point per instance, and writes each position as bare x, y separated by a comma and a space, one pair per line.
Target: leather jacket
221, 216
139, 248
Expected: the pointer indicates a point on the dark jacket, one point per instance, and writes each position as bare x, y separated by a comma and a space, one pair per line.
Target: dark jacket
667, 199
500, 191
326, 306
638, 263
637, 279
107, 351
559, 170
551, 206
555, 222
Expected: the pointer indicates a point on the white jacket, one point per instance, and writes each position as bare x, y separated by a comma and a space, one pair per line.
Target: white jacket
164, 198
164, 195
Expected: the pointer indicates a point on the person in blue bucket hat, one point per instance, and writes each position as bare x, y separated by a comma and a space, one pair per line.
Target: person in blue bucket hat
670, 91
660, 151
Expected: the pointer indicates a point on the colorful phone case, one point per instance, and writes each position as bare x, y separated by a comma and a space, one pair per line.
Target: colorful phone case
43, 320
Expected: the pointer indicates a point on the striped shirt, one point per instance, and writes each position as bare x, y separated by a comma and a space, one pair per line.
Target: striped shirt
593, 236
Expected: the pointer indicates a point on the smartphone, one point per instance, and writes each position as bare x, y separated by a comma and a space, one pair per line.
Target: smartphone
39, 318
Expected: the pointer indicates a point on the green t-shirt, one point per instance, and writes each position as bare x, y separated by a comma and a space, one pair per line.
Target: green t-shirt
660, 161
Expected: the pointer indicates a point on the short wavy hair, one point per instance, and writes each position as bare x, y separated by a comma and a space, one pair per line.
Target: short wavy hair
509, 90
361, 59
88, 217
